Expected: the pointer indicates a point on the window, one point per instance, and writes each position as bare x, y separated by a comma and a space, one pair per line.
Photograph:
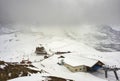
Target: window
80, 69
84, 68
75, 69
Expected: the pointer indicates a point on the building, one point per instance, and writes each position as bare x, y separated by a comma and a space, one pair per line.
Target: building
81, 64
40, 51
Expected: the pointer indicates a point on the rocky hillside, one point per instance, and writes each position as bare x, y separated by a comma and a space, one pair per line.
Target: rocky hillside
13, 70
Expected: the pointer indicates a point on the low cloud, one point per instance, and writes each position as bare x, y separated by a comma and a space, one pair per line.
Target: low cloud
60, 12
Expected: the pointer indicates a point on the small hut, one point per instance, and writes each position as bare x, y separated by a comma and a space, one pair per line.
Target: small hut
40, 51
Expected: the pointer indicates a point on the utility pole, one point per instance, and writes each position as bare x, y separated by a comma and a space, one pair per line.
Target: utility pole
106, 75
116, 75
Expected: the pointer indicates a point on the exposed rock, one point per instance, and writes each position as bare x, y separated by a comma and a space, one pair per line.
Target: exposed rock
14, 70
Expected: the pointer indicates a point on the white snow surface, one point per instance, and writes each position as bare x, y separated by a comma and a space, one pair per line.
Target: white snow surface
77, 60
33, 77
52, 67
16, 46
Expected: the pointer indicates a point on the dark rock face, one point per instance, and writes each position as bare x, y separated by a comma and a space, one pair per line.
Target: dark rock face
14, 70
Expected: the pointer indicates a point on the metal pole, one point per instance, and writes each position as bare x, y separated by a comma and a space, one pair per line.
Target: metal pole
116, 75
106, 76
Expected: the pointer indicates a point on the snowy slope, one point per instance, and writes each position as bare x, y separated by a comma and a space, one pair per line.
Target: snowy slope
33, 77
102, 38
52, 67
19, 45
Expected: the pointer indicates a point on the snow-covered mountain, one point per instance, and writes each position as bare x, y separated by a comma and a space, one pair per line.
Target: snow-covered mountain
82, 41
102, 38
111, 40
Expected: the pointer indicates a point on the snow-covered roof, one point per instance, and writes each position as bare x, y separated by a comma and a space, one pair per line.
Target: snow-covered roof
76, 60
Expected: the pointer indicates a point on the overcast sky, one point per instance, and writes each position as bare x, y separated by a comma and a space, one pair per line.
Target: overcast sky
60, 12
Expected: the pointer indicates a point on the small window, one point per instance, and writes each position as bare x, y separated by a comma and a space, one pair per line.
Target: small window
84, 69
75, 69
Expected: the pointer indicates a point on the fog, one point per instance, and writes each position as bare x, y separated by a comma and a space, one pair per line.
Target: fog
60, 12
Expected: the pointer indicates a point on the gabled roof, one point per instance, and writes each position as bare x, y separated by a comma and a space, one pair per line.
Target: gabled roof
76, 60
